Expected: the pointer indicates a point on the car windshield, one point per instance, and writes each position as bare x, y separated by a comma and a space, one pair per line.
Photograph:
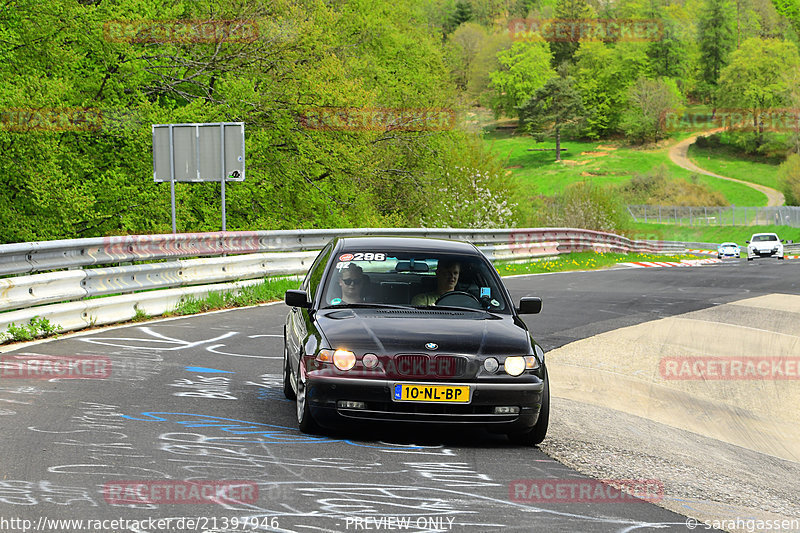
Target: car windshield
762, 238
413, 280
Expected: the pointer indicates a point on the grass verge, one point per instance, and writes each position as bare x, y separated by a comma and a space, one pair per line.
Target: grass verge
581, 261
271, 289
710, 234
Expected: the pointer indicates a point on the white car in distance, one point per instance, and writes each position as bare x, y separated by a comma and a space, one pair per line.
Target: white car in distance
727, 249
764, 245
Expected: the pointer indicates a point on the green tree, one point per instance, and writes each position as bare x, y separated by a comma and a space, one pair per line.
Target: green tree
648, 102
568, 10
462, 14
602, 77
554, 106
717, 40
756, 78
463, 46
791, 10
524, 68
485, 62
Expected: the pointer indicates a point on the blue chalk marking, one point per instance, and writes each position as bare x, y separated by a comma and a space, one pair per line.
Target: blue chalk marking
207, 370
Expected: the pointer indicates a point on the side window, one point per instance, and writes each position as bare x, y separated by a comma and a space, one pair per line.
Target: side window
311, 283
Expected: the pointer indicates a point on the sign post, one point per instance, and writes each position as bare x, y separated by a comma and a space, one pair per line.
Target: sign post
198, 152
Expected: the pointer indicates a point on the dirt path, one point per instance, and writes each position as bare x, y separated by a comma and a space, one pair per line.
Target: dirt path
679, 154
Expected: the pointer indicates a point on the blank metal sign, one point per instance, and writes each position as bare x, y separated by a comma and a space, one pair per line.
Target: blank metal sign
195, 152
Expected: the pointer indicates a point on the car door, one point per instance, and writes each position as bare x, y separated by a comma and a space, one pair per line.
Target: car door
299, 322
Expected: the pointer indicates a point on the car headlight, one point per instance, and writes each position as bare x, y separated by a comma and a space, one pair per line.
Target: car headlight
344, 359
514, 366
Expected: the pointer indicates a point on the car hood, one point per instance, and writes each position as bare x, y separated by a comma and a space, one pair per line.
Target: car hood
390, 331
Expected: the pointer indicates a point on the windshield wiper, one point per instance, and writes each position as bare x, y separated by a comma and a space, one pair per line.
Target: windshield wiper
367, 305
451, 308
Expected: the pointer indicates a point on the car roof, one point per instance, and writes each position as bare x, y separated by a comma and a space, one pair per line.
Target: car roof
729, 244
421, 244
756, 234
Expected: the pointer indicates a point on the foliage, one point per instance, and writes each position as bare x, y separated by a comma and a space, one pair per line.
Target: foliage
485, 62
270, 289
462, 14
659, 188
717, 40
791, 10
604, 74
477, 193
649, 101
524, 68
358, 55
789, 176
463, 46
584, 205
571, 10
552, 107
756, 78
37, 327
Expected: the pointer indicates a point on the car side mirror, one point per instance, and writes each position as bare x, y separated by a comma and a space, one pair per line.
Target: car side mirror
296, 298
748, 242
529, 305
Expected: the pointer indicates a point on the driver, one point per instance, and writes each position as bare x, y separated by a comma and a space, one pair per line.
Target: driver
447, 272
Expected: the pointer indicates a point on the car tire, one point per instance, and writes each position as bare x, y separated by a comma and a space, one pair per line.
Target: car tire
305, 420
749, 258
288, 391
538, 432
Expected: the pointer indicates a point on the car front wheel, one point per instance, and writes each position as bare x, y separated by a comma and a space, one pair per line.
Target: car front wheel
304, 419
538, 432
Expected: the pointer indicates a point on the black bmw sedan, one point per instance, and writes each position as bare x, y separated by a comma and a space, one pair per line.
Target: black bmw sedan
417, 330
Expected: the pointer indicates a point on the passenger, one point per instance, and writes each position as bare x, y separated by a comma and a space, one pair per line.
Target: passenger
351, 282
447, 272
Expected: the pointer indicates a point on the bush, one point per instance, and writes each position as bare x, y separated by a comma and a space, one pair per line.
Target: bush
789, 178
658, 188
583, 205
471, 191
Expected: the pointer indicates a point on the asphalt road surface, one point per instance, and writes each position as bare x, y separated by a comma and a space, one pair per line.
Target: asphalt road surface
200, 399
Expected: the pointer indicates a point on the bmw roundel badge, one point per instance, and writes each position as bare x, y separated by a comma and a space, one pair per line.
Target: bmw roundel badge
431, 346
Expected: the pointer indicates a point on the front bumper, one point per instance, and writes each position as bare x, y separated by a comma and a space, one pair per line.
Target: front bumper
774, 252
324, 393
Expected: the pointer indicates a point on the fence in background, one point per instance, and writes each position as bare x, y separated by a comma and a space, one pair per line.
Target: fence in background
82, 282
716, 215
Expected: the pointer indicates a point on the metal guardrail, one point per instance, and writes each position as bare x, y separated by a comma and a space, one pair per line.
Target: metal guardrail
64, 296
